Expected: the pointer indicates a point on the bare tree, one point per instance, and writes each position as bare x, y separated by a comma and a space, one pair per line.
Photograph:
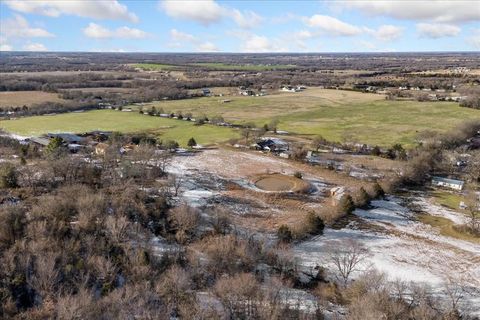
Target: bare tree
347, 258
164, 159
46, 276
175, 182
455, 292
184, 220
473, 210
239, 295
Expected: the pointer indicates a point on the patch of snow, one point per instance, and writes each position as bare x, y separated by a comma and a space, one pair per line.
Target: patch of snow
401, 247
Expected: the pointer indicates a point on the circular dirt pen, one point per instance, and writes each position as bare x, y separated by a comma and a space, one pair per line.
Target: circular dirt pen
281, 183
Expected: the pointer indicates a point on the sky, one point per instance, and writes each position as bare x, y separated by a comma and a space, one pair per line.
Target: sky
239, 26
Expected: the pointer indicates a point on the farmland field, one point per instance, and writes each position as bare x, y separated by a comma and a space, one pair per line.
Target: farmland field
214, 66
154, 66
21, 98
334, 114
166, 129
244, 67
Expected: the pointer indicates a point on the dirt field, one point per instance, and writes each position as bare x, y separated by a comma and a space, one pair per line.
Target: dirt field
28, 98
281, 183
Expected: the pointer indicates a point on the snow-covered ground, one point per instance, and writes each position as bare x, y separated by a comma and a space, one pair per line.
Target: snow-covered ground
404, 249
399, 245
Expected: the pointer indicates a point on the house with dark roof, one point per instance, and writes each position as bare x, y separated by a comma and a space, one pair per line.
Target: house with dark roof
272, 145
67, 137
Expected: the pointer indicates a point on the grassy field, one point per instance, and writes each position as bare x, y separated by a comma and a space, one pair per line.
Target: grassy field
447, 199
154, 66
334, 114
214, 66
21, 98
244, 67
447, 227
166, 129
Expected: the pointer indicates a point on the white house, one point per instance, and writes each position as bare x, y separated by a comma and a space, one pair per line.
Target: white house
448, 183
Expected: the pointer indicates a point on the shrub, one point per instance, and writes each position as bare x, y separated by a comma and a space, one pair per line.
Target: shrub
8, 175
346, 205
378, 191
284, 234
376, 151
298, 175
314, 223
363, 198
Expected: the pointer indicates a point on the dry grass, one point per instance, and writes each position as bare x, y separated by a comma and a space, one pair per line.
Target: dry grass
28, 98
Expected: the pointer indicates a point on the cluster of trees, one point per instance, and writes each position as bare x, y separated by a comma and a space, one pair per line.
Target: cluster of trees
471, 102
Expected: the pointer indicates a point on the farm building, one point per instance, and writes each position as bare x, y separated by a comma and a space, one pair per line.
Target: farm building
448, 183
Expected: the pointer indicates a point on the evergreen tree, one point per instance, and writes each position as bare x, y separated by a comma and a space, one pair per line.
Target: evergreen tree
191, 143
284, 234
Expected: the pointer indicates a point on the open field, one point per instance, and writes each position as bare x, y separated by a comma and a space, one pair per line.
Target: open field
334, 114
166, 129
154, 66
21, 98
446, 227
213, 66
447, 199
244, 67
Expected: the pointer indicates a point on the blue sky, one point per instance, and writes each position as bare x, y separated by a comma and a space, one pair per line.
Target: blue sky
240, 26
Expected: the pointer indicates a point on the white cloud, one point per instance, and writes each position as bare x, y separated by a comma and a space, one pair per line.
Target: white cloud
247, 19
34, 47
5, 47
202, 11
179, 39
19, 27
97, 31
388, 32
256, 43
104, 9
431, 10
181, 36
207, 47
115, 50
437, 30
332, 26
208, 12
304, 35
